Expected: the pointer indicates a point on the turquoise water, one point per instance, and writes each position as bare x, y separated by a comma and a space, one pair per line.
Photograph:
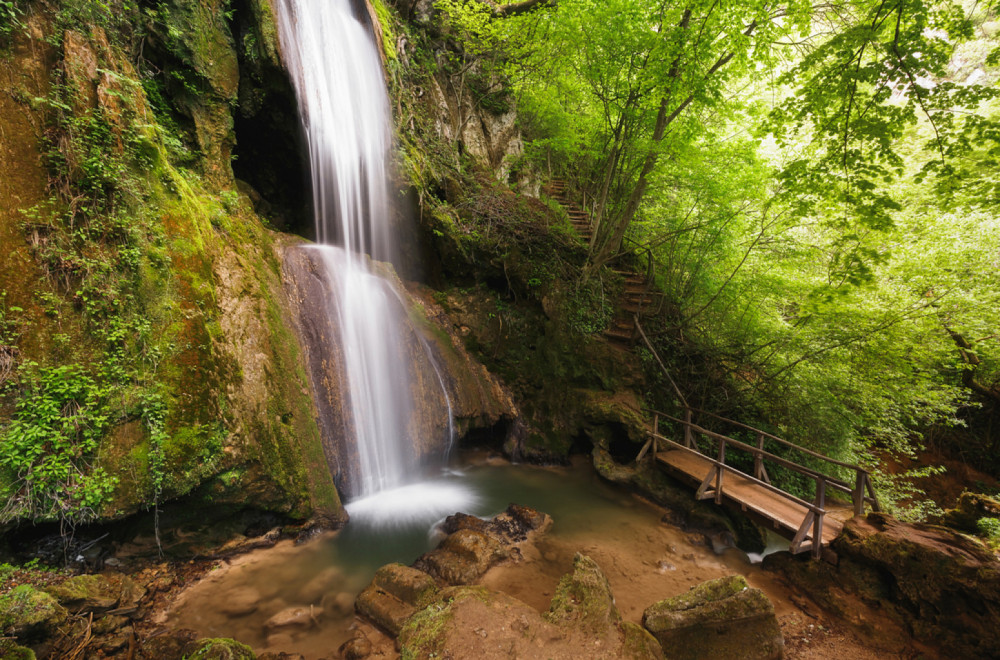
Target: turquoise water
327, 571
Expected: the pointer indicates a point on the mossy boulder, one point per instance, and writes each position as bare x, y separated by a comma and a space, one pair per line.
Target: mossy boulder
394, 595
96, 593
969, 510
27, 613
723, 618
219, 649
583, 598
9, 650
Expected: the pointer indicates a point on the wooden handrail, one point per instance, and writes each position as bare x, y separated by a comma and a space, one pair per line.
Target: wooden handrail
810, 452
763, 453
729, 468
862, 491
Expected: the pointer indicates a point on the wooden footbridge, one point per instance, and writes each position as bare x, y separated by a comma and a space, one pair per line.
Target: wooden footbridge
711, 461
705, 459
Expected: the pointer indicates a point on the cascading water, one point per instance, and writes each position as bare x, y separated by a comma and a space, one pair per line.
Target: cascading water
337, 75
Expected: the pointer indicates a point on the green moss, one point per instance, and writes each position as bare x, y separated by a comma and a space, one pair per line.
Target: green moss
387, 22
221, 649
26, 611
9, 650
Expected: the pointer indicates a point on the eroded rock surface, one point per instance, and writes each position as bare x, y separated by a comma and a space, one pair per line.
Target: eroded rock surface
723, 618
942, 586
474, 622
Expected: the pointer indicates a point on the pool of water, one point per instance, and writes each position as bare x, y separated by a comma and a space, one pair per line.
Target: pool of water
320, 578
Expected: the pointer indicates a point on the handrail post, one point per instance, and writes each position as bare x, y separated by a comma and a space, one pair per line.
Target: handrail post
719, 471
818, 522
758, 459
858, 494
688, 440
656, 429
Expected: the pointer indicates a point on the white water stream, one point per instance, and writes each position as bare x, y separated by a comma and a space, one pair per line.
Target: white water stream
344, 107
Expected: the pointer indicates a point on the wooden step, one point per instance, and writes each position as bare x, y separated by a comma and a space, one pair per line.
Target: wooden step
615, 335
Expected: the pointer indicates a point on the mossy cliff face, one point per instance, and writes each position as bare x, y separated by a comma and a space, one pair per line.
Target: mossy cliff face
141, 293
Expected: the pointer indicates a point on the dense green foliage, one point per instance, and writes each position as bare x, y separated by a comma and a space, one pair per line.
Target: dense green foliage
817, 184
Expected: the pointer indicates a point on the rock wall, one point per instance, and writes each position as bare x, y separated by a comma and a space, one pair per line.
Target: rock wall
941, 586
180, 316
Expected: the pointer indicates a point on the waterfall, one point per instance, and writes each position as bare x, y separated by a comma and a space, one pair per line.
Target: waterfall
344, 108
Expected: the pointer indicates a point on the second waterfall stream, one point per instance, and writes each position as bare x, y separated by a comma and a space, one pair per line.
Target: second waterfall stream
344, 108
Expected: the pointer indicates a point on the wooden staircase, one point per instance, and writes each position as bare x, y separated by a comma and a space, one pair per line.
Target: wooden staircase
578, 217
636, 297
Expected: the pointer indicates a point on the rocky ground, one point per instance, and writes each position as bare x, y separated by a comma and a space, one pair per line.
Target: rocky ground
491, 587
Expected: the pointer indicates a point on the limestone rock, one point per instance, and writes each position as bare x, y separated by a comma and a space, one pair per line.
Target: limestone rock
26, 612
723, 618
395, 593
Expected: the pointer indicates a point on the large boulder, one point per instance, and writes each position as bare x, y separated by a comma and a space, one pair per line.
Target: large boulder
26, 613
394, 595
97, 593
722, 618
941, 586
474, 622
474, 545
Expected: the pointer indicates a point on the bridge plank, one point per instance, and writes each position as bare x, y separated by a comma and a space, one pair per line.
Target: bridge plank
787, 515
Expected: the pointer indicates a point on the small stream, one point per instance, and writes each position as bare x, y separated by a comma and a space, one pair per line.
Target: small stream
645, 559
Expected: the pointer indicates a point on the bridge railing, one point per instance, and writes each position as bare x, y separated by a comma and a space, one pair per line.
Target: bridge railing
861, 491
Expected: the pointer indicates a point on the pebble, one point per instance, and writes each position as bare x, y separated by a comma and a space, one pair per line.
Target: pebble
240, 602
295, 616
326, 580
338, 605
279, 640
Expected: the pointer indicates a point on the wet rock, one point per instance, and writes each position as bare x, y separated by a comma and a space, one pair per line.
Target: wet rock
583, 598
356, 648
27, 613
325, 581
281, 655
241, 601
279, 640
395, 593
940, 585
724, 618
474, 545
219, 649
168, 646
338, 605
292, 617
109, 624
463, 557
110, 645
